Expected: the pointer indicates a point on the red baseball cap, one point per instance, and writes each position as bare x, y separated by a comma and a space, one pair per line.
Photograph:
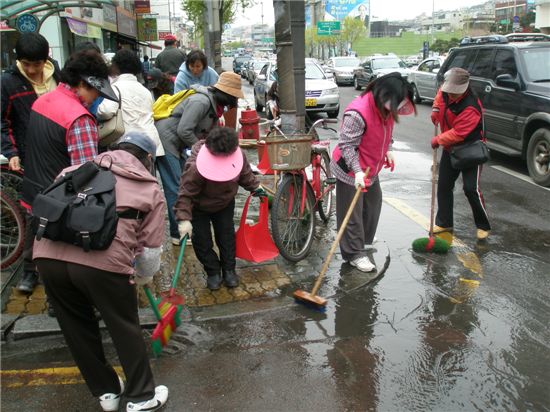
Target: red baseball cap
170, 37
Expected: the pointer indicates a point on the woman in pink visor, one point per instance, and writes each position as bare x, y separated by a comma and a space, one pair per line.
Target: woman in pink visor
210, 180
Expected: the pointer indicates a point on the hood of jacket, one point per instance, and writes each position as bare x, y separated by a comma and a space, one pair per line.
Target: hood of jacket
126, 165
188, 76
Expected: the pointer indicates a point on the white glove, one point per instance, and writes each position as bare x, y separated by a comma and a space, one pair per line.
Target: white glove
185, 228
142, 280
360, 180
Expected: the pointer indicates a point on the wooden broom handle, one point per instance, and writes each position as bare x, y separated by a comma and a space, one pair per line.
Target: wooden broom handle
338, 237
434, 167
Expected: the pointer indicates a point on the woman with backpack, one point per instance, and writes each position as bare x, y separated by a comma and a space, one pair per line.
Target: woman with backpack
191, 121
77, 281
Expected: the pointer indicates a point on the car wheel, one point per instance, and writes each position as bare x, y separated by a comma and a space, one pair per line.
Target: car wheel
333, 114
356, 84
416, 97
538, 156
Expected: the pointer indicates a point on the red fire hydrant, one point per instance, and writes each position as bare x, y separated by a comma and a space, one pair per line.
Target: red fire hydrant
249, 121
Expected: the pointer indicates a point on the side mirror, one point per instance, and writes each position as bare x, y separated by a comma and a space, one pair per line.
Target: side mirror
261, 77
506, 80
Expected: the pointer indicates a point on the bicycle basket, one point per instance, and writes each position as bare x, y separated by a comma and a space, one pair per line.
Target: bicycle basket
290, 153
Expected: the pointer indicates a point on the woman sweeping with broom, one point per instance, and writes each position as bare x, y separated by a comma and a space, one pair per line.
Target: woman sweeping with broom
365, 142
76, 281
460, 115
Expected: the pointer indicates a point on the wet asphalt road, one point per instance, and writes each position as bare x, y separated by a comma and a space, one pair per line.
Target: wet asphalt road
457, 332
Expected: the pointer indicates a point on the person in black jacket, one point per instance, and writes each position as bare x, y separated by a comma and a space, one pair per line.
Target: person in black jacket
33, 75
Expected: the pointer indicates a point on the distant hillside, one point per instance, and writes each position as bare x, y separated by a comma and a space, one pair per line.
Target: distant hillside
406, 45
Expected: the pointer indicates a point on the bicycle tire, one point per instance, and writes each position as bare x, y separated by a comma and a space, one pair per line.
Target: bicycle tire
12, 231
292, 233
11, 183
325, 205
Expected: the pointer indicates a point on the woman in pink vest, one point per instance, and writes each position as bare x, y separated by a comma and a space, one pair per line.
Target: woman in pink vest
365, 141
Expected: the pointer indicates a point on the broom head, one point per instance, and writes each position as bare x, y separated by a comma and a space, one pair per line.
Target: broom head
170, 320
430, 244
315, 301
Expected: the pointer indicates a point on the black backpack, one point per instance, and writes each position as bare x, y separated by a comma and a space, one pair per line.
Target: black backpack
80, 208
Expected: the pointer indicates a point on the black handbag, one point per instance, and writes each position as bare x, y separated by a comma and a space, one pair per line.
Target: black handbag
471, 154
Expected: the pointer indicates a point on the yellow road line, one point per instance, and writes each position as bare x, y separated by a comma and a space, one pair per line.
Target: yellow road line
17, 378
468, 259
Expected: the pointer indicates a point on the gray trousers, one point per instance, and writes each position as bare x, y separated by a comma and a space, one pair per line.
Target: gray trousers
363, 222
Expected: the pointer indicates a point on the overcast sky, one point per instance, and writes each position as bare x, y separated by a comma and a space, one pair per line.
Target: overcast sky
380, 9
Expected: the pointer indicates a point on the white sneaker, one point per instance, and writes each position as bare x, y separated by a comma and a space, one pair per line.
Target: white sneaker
110, 401
175, 241
160, 398
363, 264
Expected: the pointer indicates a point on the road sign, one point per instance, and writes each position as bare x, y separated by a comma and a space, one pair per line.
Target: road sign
27, 23
328, 28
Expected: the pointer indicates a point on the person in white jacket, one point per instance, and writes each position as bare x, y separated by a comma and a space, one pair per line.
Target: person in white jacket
136, 99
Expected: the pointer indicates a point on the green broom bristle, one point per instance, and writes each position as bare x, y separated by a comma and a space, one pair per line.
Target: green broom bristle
439, 246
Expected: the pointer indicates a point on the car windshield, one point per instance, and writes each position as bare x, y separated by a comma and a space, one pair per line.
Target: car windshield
351, 62
314, 72
388, 63
537, 64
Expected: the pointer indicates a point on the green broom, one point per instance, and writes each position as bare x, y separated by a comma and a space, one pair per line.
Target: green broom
431, 243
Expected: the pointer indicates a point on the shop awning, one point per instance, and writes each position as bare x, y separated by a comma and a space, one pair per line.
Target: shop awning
10, 9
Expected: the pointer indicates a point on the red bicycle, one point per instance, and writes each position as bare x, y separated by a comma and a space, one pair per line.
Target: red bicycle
12, 229
306, 186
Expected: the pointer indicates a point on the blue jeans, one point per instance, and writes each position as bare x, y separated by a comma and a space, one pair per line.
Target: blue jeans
170, 169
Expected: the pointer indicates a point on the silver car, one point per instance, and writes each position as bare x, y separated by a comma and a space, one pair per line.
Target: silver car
342, 68
322, 94
424, 79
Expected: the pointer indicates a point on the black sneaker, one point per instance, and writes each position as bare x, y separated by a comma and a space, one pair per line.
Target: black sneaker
214, 282
28, 282
230, 278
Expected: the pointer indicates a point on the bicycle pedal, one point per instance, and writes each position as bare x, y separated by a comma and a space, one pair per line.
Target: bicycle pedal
330, 181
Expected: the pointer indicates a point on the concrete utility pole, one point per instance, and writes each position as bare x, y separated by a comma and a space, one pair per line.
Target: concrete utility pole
297, 31
285, 64
212, 34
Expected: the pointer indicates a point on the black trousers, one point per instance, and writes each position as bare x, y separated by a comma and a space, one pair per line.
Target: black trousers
364, 219
28, 264
224, 232
73, 291
445, 199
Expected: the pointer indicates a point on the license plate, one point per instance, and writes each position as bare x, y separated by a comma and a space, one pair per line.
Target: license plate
311, 102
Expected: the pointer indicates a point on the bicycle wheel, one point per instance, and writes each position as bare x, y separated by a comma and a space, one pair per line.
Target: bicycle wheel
325, 204
12, 231
11, 183
292, 230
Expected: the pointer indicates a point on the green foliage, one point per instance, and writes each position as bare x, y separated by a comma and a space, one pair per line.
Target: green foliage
352, 29
195, 10
442, 46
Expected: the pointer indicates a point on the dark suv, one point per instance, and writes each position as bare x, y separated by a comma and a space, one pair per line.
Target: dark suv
512, 80
238, 63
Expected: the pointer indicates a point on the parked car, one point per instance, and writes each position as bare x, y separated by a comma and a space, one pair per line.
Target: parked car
512, 81
322, 94
378, 65
238, 61
342, 68
412, 61
424, 78
253, 69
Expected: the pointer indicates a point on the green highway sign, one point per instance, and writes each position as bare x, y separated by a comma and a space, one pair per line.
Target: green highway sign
328, 28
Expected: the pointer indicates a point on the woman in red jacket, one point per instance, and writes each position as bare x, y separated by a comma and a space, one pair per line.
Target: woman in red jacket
459, 114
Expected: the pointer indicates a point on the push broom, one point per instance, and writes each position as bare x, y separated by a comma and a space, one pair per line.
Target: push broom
311, 298
431, 243
167, 308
